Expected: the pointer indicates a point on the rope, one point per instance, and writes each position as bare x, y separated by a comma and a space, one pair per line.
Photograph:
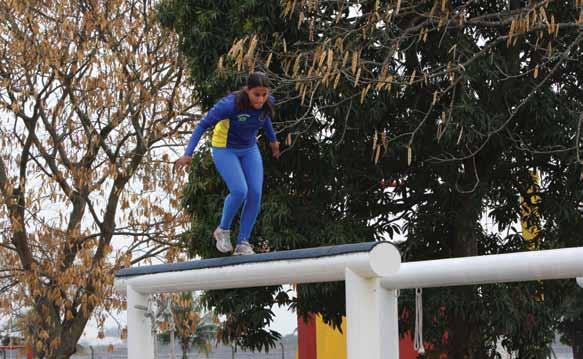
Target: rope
418, 339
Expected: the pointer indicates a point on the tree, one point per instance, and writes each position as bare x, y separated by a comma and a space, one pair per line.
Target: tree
456, 101
92, 94
194, 327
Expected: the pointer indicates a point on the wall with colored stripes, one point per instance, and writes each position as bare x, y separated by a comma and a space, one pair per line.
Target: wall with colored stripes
316, 340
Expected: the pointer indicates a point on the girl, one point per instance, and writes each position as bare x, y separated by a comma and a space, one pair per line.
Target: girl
236, 119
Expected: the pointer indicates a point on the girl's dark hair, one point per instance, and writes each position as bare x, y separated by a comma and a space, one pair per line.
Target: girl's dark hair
255, 79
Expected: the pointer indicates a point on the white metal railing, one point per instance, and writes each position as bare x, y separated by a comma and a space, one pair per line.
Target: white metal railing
496, 268
372, 279
362, 270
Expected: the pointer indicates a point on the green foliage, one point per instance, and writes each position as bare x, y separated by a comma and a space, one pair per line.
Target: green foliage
207, 29
459, 196
248, 313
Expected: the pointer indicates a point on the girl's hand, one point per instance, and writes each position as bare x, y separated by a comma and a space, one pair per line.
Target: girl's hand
182, 162
275, 149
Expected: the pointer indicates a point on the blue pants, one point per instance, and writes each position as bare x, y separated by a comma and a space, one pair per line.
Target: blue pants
242, 171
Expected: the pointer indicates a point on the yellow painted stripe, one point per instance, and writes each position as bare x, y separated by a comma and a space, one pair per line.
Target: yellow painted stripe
529, 207
330, 343
530, 231
221, 133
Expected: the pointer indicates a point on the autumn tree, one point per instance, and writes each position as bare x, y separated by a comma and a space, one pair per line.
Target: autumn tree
92, 98
194, 326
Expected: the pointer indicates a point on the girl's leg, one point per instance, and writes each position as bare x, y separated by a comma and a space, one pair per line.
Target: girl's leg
229, 167
252, 166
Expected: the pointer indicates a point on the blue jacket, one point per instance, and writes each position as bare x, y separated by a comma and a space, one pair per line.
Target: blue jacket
233, 128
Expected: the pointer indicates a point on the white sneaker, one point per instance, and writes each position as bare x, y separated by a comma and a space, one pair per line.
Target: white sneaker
243, 249
223, 238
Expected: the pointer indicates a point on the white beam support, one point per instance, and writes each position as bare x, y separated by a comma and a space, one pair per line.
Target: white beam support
499, 268
140, 338
580, 281
372, 319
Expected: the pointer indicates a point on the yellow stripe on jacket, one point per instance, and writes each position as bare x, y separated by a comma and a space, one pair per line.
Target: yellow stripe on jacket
221, 133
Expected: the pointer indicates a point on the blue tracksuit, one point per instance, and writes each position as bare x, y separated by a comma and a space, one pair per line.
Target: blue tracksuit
233, 128
237, 158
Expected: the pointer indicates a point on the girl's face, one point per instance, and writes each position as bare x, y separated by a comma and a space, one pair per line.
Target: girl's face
257, 96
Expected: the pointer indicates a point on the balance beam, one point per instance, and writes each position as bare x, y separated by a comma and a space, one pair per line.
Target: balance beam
311, 265
372, 325
373, 274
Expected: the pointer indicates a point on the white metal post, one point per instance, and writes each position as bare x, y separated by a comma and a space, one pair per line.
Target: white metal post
140, 338
372, 328
389, 321
580, 282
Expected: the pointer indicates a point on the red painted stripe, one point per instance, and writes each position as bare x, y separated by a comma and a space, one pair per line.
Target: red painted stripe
16, 347
307, 338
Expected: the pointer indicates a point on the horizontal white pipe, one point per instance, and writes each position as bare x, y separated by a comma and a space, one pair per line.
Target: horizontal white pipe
580, 281
512, 267
384, 259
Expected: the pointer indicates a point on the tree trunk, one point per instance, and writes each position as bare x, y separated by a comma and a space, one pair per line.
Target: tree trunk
68, 345
185, 349
578, 350
64, 352
464, 338
65, 333
577, 340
